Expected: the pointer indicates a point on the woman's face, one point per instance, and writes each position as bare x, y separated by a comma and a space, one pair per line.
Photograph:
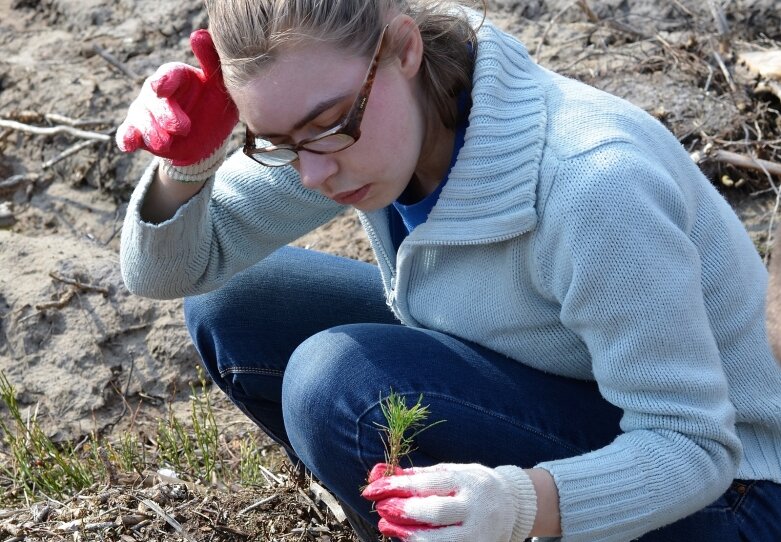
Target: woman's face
311, 88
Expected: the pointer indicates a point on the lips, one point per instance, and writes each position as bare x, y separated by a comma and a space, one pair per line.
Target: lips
351, 197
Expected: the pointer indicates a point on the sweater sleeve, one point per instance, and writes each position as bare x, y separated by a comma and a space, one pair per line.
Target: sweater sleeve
617, 254
239, 217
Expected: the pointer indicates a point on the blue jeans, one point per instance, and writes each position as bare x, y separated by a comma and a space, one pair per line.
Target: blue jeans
304, 345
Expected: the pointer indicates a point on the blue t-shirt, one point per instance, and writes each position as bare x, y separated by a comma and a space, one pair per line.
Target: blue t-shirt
405, 218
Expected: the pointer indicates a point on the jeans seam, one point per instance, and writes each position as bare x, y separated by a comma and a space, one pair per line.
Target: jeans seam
251, 370
477, 408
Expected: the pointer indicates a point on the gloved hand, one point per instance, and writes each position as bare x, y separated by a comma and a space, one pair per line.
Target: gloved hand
454, 503
183, 114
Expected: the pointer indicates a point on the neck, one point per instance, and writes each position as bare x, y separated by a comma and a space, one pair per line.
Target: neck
435, 157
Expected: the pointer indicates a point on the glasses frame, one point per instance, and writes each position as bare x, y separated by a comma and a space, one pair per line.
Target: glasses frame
349, 126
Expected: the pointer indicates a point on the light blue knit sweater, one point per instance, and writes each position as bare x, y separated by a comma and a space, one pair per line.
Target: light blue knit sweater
574, 235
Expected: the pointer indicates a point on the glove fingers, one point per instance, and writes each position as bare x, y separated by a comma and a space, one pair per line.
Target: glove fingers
156, 139
445, 534
427, 511
379, 470
128, 137
404, 532
393, 511
170, 116
170, 77
204, 50
420, 483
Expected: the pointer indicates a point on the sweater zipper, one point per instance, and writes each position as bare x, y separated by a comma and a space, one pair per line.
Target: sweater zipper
390, 299
392, 296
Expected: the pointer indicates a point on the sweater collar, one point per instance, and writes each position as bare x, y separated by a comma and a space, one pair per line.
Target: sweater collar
491, 191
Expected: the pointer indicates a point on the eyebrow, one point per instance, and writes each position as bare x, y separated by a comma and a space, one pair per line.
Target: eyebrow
315, 112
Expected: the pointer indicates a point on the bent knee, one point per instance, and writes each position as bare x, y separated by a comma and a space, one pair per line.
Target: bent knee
338, 365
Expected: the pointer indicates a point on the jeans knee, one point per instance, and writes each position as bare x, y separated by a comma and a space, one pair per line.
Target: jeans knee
312, 376
207, 313
200, 316
323, 391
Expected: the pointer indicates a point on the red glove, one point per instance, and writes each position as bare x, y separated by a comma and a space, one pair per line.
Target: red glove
183, 114
454, 503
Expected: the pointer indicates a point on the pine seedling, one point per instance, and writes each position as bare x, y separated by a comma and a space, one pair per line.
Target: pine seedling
403, 424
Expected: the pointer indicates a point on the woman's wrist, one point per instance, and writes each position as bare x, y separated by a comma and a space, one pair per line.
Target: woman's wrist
197, 172
547, 523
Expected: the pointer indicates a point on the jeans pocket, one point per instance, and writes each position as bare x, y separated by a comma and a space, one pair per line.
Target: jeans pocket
758, 510
736, 495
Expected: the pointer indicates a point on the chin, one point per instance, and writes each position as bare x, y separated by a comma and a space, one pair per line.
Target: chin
373, 201
370, 205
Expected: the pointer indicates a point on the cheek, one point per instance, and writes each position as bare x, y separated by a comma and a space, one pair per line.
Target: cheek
393, 135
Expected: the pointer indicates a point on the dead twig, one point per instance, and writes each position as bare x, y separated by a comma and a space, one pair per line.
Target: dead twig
771, 226
258, 504
683, 8
612, 23
80, 285
329, 500
76, 123
722, 26
66, 297
307, 500
168, 518
725, 71
754, 143
34, 117
60, 303
14, 183
548, 28
111, 59
270, 477
53, 130
80, 525
119, 332
70, 151
745, 162
590, 15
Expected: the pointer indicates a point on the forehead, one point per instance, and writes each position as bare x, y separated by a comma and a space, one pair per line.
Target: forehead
295, 82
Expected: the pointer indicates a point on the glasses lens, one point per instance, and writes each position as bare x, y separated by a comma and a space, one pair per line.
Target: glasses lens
275, 158
331, 143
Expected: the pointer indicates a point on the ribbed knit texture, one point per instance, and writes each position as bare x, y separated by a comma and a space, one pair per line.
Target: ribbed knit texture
574, 235
199, 171
525, 500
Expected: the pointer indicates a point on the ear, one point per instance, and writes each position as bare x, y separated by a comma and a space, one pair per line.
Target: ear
408, 44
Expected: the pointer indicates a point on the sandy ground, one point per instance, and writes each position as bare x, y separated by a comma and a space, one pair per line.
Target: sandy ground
73, 341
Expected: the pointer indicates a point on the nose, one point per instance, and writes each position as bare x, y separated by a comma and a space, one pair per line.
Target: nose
315, 169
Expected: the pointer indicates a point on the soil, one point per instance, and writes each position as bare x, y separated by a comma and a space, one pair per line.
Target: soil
80, 349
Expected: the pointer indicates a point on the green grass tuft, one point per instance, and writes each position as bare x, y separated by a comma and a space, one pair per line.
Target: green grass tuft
32, 466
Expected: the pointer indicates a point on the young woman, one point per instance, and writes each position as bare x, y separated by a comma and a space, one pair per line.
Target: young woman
555, 276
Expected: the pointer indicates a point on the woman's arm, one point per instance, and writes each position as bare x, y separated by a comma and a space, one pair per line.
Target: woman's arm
620, 247
236, 218
165, 196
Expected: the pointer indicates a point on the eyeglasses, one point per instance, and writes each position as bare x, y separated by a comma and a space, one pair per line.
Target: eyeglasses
336, 139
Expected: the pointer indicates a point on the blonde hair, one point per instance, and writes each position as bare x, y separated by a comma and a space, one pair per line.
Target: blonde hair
248, 34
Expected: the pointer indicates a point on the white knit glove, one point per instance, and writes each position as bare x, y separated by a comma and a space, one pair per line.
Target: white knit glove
454, 503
